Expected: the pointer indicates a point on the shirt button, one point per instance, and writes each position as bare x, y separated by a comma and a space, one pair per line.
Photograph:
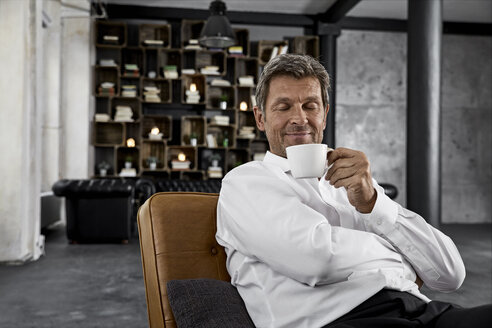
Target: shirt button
214, 251
379, 221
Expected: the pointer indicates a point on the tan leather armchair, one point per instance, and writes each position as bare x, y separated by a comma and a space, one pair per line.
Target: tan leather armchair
177, 241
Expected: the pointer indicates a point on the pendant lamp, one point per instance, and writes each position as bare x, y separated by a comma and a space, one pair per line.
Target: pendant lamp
217, 31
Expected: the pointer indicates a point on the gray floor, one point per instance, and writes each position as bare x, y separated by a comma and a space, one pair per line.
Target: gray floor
102, 285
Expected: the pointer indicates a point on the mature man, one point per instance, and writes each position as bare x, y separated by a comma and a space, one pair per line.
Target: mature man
309, 253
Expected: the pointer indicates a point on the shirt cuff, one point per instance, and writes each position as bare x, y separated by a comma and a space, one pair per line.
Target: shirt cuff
383, 216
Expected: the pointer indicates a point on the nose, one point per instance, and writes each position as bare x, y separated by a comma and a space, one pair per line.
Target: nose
298, 115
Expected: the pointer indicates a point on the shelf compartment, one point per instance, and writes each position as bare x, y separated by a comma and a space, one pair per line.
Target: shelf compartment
114, 29
155, 32
106, 74
265, 48
155, 149
246, 66
133, 103
104, 154
215, 93
210, 58
189, 151
133, 56
199, 81
108, 133
307, 45
122, 154
169, 57
151, 63
242, 39
220, 133
129, 81
102, 105
245, 94
104, 52
190, 29
163, 85
196, 125
236, 157
162, 122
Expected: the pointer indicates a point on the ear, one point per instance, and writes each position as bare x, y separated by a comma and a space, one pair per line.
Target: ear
326, 115
259, 118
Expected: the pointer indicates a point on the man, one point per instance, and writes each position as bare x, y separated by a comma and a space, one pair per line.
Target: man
333, 251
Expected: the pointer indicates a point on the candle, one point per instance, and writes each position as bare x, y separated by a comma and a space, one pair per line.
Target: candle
181, 157
130, 142
193, 87
243, 106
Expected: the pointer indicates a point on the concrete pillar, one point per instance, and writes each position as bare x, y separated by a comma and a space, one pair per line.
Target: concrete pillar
423, 109
21, 115
75, 90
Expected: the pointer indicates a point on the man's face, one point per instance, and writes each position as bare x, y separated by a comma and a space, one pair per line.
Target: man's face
294, 113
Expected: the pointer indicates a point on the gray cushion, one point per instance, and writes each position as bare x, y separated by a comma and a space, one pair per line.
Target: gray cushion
207, 303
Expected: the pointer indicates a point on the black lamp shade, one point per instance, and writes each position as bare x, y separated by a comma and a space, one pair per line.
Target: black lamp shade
217, 32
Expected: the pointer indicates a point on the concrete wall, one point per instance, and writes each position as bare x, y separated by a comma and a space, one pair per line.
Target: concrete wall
20, 130
371, 115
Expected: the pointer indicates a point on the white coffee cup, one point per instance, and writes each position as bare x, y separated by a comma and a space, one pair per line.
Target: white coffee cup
307, 160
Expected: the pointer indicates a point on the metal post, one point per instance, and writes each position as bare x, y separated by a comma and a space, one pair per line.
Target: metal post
423, 109
328, 34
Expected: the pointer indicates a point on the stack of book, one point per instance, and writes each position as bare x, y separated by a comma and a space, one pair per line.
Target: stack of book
210, 70
219, 82
106, 89
151, 94
214, 172
193, 44
131, 70
102, 117
192, 97
153, 43
123, 114
107, 62
236, 51
130, 172
111, 39
220, 120
180, 165
188, 71
170, 71
247, 81
247, 132
128, 90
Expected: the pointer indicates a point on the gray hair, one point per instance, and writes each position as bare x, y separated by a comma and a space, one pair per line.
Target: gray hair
296, 66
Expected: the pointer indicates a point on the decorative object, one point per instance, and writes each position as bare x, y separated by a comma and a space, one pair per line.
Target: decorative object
243, 106
181, 163
217, 31
193, 139
103, 168
128, 162
130, 142
223, 102
152, 74
214, 171
155, 134
192, 95
152, 162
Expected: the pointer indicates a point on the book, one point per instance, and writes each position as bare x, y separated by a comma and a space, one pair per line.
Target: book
180, 165
153, 42
187, 71
220, 120
246, 80
102, 117
131, 172
220, 82
107, 62
211, 141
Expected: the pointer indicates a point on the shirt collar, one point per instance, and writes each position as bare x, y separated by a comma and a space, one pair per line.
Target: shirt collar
282, 162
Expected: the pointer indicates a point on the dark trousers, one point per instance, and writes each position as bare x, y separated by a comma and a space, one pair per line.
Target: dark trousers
393, 309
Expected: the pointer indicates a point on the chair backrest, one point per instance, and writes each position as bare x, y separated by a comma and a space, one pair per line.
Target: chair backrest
177, 241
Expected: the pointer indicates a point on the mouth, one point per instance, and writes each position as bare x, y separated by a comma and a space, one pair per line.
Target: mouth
298, 137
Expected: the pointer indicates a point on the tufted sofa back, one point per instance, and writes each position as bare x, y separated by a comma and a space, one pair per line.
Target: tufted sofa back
177, 241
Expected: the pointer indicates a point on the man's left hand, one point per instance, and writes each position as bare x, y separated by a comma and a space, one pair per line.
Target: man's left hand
351, 170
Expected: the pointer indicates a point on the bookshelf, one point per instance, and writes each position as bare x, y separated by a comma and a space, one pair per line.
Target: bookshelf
159, 107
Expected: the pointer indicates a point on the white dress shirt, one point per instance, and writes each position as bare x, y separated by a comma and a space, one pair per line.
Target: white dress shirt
301, 256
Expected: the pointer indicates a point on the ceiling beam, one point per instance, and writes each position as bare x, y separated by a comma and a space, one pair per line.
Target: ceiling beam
116, 11
337, 11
